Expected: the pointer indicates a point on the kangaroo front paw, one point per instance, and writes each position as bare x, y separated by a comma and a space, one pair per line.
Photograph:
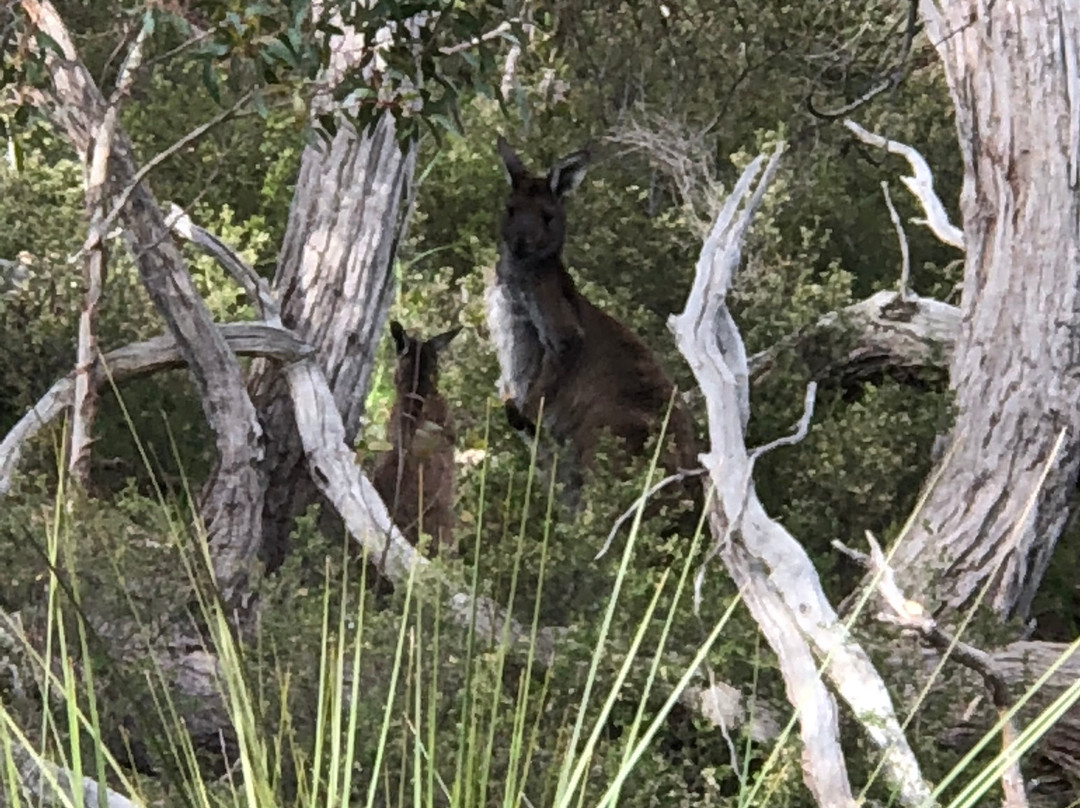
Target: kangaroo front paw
517, 420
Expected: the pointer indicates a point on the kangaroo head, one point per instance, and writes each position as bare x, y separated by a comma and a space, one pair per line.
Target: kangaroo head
417, 372
533, 226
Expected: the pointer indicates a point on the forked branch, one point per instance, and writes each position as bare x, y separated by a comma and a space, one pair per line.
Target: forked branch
94, 259
768, 565
920, 183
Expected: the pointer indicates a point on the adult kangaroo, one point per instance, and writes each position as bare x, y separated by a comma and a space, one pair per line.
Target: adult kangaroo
591, 371
416, 477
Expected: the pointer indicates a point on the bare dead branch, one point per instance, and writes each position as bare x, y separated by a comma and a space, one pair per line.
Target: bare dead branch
722, 543
847, 109
881, 330
905, 257
498, 30
773, 570
921, 184
140, 359
233, 500
912, 616
682, 156
892, 76
124, 196
801, 428
256, 287
85, 409
640, 502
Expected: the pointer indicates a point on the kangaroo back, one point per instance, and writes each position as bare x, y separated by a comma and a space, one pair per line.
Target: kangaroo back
415, 478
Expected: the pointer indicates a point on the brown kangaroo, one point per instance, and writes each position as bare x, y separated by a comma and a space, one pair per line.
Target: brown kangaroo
590, 370
419, 469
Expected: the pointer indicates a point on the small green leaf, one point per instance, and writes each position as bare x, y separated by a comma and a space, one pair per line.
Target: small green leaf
260, 103
210, 82
46, 42
280, 50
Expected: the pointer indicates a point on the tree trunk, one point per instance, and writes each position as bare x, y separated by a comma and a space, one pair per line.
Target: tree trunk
334, 276
233, 500
1013, 75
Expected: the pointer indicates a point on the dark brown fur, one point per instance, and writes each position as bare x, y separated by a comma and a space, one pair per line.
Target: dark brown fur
593, 372
419, 469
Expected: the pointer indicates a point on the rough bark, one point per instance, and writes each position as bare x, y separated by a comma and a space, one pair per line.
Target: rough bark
881, 331
771, 568
232, 503
1021, 664
334, 277
1013, 75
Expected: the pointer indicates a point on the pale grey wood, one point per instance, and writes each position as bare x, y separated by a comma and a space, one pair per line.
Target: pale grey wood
771, 569
1013, 76
139, 359
335, 282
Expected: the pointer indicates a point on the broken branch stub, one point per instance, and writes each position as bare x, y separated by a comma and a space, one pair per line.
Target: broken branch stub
882, 330
771, 568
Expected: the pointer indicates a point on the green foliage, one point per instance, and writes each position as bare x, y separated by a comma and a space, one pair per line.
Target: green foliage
735, 79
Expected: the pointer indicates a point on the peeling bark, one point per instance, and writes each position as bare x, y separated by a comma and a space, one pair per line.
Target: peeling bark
335, 280
1013, 75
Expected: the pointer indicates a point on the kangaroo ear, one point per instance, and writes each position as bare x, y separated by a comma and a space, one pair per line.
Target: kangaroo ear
567, 173
400, 339
515, 169
440, 341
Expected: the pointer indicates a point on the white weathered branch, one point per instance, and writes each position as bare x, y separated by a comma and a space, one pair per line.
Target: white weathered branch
773, 570
140, 359
905, 254
881, 330
255, 286
921, 184
85, 409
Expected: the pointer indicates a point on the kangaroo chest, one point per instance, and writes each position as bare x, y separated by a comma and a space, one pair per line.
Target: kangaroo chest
517, 343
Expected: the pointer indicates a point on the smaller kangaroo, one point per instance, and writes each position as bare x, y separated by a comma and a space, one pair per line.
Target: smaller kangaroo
419, 469
590, 370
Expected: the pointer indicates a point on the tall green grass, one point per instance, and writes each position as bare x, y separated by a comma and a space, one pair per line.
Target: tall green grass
65, 758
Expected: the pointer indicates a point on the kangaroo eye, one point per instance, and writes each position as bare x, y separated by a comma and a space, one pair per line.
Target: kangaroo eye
547, 217
509, 210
